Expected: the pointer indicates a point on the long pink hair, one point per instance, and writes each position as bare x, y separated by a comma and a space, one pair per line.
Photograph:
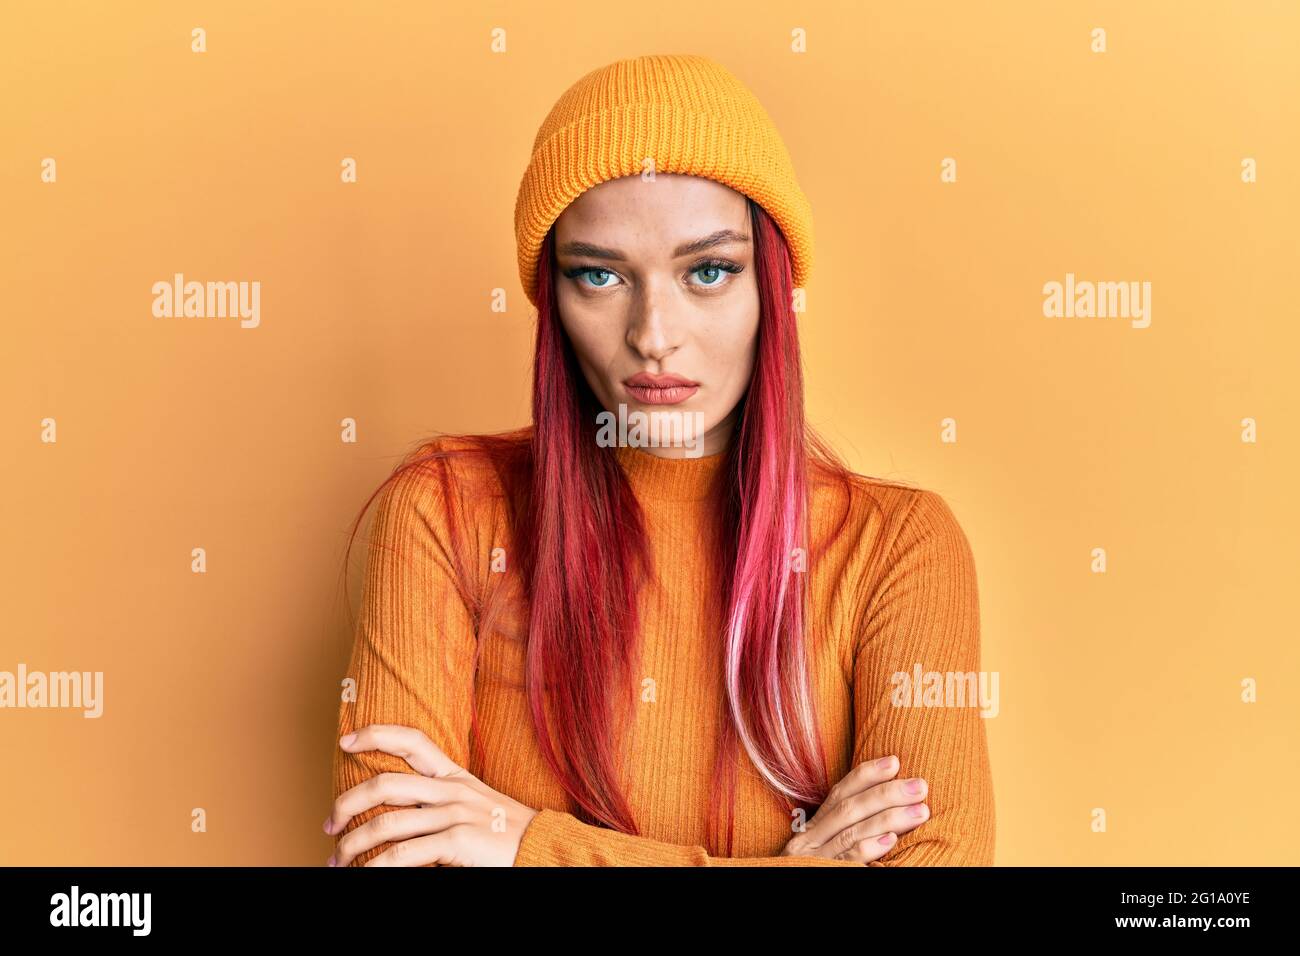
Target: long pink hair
583, 555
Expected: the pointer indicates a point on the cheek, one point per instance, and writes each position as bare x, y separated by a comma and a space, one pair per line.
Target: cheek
734, 350
595, 338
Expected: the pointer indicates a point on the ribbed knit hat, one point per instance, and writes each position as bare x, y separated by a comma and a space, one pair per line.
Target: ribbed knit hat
688, 114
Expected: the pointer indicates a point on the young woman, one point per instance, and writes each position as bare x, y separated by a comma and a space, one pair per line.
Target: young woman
582, 645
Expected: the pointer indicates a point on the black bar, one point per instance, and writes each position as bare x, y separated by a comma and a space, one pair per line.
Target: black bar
242, 904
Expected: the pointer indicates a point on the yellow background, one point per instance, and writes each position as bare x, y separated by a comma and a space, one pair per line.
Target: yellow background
1118, 690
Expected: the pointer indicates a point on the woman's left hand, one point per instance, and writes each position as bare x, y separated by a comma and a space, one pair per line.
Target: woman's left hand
454, 819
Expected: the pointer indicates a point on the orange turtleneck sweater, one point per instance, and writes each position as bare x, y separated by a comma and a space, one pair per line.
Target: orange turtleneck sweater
896, 589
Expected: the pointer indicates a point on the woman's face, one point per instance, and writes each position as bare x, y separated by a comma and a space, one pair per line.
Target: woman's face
656, 279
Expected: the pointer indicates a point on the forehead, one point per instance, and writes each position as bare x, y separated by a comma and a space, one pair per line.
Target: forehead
670, 208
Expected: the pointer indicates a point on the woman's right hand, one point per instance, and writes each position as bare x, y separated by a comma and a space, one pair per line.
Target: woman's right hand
863, 815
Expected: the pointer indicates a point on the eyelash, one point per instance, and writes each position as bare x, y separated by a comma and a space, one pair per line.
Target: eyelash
725, 265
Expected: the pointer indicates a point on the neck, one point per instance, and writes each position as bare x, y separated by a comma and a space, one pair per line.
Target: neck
664, 478
712, 442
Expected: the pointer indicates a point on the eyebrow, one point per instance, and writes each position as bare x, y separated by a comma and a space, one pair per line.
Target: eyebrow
580, 248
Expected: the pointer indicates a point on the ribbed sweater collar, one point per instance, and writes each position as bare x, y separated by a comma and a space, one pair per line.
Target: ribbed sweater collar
655, 478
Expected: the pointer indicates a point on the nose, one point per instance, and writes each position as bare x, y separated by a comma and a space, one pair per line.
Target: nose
652, 331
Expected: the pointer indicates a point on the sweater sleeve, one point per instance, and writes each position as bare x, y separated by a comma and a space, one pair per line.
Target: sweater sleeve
556, 838
413, 651
922, 620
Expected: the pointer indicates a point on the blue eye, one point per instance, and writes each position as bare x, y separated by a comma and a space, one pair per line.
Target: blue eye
600, 278
714, 272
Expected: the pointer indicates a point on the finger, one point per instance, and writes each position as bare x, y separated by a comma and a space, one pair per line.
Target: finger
896, 820
392, 827
831, 817
869, 849
438, 849
868, 803
393, 789
410, 744
864, 775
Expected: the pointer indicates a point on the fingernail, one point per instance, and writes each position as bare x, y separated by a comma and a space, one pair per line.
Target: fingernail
885, 840
884, 763
329, 824
332, 862
915, 785
917, 810
348, 740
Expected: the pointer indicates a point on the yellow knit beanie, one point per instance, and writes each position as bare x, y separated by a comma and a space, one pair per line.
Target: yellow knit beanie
686, 113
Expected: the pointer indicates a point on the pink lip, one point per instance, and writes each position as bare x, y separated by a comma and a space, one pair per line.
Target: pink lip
660, 389
662, 396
